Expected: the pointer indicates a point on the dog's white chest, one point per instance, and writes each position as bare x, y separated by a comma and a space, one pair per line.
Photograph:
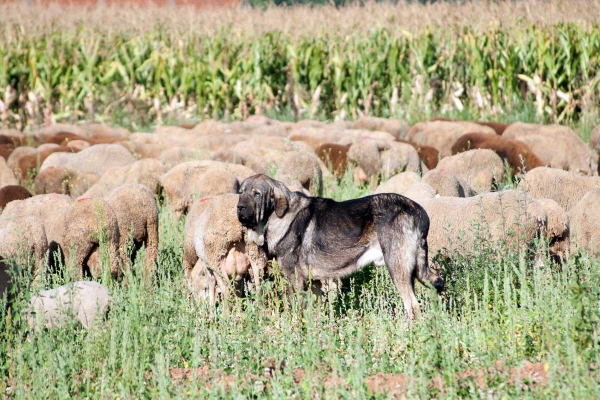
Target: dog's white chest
372, 255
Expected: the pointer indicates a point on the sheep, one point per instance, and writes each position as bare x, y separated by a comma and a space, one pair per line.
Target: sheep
479, 168
558, 229
7, 177
23, 241
14, 159
518, 155
6, 150
396, 127
73, 229
304, 168
135, 207
84, 302
441, 135
11, 193
336, 155
77, 145
383, 158
557, 146
420, 191
585, 223
510, 216
50, 208
144, 150
399, 183
566, 188
429, 155
176, 155
30, 162
447, 184
498, 127
63, 181
317, 136
200, 178
85, 224
93, 160
214, 238
251, 161
146, 172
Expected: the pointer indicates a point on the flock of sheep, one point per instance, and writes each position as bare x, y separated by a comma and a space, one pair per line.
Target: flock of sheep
99, 185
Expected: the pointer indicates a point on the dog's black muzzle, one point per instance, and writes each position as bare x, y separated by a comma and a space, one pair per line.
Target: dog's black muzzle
246, 216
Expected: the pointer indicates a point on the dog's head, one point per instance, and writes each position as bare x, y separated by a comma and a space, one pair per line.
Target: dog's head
260, 196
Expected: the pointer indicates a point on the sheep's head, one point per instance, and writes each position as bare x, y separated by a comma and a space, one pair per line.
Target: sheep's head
260, 196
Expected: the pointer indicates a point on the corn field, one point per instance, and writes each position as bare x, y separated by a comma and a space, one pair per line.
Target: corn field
89, 73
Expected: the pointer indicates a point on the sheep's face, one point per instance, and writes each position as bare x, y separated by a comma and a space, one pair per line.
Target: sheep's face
259, 197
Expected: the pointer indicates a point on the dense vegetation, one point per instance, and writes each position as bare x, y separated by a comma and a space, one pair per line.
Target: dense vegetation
92, 71
497, 314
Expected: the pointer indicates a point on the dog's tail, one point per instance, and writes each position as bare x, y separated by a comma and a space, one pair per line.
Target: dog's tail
424, 273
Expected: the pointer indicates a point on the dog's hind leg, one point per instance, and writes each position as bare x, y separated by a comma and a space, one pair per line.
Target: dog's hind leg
424, 273
400, 258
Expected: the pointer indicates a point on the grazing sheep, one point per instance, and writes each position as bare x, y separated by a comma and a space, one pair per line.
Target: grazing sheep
558, 229
420, 191
566, 188
446, 183
441, 135
518, 155
399, 183
78, 145
14, 159
83, 302
216, 251
73, 229
479, 168
335, 155
6, 150
304, 168
135, 207
12, 193
510, 216
251, 161
63, 181
396, 127
498, 127
23, 241
7, 177
176, 155
200, 179
31, 162
146, 172
85, 224
383, 158
585, 223
557, 146
429, 155
50, 208
94, 160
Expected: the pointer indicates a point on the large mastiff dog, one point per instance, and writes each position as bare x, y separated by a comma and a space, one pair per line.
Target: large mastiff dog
323, 239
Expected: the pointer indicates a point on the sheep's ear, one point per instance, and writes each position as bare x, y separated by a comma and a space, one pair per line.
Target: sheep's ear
280, 199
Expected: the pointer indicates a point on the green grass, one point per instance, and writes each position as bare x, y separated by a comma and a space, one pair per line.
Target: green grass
496, 307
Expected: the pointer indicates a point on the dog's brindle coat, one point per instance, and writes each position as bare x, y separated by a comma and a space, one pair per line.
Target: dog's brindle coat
329, 239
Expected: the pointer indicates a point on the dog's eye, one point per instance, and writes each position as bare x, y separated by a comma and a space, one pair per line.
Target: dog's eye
257, 195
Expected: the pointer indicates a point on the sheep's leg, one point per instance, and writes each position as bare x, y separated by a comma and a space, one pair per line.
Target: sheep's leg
151, 248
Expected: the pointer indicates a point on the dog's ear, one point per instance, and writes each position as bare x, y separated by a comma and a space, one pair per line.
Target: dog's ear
280, 200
